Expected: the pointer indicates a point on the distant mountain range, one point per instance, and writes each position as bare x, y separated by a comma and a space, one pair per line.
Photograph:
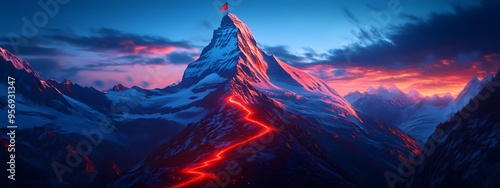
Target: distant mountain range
463, 151
412, 112
53, 118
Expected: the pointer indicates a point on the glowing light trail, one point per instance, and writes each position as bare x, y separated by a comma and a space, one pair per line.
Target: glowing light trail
197, 168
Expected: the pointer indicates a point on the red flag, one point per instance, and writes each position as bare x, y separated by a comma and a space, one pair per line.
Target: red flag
224, 7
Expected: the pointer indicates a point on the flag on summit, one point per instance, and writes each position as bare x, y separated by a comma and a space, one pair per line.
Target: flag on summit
224, 7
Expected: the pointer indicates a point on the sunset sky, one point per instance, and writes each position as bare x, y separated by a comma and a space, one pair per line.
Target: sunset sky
433, 46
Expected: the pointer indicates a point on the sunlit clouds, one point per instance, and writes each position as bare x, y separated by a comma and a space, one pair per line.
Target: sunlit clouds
428, 83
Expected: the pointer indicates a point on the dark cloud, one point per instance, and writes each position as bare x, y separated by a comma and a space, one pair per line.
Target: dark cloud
156, 61
145, 84
51, 30
129, 60
340, 72
206, 24
32, 47
373, 7
99, 83
129, 79
284, 54
39, 45
306, 58
350, 16
129, 57
26, 50
74, 70
464, 36
106, 39
329, 72
180, 58
410, 17
44, 64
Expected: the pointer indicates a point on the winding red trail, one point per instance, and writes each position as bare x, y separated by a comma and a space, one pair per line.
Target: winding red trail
197, 168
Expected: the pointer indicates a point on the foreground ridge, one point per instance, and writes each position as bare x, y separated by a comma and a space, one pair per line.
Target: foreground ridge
197, 168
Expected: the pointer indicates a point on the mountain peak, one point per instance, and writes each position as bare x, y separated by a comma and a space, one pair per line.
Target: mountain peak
231, 20
449, 96
232, 44
377, 91
474, 79
414, 95
119, 87
15, 61
488, 78
472, 88
370, 90
395, 90
66, 82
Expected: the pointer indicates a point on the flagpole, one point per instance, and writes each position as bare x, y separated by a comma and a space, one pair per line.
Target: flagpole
227, 7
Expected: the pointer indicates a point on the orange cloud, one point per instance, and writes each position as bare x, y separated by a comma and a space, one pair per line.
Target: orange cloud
155, 50
440, 82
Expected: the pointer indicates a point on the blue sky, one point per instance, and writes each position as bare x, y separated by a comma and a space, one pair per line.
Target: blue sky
317, 24
307, 34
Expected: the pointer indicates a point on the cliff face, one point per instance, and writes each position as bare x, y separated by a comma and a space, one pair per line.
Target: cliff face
467, 152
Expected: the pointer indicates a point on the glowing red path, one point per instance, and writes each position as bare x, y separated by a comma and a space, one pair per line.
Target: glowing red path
197, 168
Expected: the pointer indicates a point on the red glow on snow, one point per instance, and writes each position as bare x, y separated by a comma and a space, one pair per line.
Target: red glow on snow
115, 168
197, 168
408, 142
51, 133
89, 165
5, 143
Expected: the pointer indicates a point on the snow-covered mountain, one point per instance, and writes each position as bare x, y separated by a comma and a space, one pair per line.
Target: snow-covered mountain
87, 95
413, 113
318, 139
53, 118
119, 87
33, 87
465, 148
385, 104
473, 87
423, 116
414, 95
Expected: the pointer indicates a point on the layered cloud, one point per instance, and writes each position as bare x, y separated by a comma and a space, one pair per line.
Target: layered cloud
435, 55
107, 54
112, 40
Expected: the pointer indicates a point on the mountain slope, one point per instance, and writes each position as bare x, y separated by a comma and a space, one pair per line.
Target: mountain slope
413, 113
471, 89
87, 95
317, 135
53, 119
466, 152
382, 103
33, 87
423, 116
